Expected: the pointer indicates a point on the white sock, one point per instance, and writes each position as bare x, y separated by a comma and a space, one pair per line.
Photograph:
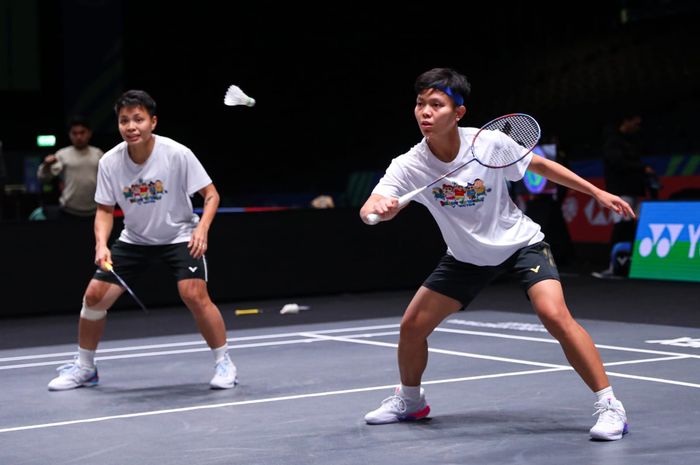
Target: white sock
86, 358
605, 394
411, 393
220, 353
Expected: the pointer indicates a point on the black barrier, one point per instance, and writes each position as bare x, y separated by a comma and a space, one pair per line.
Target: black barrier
46, 265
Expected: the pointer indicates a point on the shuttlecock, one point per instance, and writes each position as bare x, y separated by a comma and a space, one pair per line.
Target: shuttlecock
293, 308
235, 96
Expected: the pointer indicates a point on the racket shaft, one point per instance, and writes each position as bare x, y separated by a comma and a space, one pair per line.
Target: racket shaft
406, 198
128, 289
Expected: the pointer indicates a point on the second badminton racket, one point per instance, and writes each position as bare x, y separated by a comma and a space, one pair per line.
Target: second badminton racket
108, 266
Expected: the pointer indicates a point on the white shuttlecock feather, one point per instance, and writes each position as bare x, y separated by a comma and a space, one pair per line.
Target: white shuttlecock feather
235, 96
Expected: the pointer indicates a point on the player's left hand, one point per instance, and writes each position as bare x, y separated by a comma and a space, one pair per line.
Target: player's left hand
616, 204
198, 242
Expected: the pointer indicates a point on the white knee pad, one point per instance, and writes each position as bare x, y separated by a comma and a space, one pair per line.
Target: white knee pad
91, 313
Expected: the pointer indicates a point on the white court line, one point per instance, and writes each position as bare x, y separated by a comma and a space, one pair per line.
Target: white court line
164, 352
319, 336
646, 360
192, 343
259, 401
328, 331
655, 380
554, 341
439, 351
314, 337
558, 367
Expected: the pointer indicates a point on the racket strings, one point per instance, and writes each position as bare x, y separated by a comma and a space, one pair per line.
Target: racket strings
520, 128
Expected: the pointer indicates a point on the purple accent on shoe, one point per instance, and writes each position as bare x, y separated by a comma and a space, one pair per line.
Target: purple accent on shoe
625, 430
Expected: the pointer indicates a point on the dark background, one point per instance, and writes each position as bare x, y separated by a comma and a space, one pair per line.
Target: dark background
334, 83
334, 91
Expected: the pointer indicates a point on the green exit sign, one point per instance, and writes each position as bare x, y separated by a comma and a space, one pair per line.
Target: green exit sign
45, 140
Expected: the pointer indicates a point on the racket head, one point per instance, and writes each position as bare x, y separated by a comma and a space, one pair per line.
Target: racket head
505, 140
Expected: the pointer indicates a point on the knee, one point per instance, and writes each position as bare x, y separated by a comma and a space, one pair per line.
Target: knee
412, 329
194, 298
557, 321
92, 297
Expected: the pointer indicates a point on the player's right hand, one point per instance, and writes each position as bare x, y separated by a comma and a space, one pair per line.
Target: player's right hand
102, 255
50, 159
386, 207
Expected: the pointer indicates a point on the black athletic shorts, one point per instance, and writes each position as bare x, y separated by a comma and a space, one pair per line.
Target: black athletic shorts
130, 260
463, 281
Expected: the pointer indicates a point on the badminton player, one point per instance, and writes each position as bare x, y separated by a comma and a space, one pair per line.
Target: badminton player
151, 178
486, 236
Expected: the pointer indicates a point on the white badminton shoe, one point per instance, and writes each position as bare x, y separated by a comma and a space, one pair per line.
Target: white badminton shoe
612, 420
397, 408
72, 376
225, 376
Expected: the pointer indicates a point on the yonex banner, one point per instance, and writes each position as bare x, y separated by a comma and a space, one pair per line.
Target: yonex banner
667, 245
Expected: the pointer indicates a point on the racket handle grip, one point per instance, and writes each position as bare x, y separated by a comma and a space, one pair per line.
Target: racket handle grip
372, 219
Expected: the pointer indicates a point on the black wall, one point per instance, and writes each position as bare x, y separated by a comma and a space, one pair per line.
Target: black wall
46, 266
334, 82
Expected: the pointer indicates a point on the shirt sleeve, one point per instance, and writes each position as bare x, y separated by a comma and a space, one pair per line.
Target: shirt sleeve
196, 177
515, 172
104, 193
393, 183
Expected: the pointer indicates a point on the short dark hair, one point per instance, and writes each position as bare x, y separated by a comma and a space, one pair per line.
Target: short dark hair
78, 120
442, 79
136, 98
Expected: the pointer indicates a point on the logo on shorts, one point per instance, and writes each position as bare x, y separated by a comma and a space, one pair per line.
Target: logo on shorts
535, 269
192, 268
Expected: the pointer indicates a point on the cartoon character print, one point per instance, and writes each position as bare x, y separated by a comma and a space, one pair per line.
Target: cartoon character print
143, 192
457, 195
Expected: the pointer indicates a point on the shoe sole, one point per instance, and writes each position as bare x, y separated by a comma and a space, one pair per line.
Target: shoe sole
415, 416
219, 387
86, 384
616, 437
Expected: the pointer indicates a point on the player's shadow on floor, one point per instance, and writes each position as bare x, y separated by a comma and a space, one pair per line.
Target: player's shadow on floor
167, 396
486, 424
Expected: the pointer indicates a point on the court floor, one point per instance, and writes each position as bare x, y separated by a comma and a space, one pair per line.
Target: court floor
498, 385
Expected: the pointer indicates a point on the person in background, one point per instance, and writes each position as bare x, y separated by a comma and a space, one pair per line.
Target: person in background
626, 176
76, 165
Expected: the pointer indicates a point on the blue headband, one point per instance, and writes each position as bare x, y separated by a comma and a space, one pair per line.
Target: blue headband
457, 98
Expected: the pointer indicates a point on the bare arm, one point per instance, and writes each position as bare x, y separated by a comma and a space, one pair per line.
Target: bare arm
565, 177
104, 221
199, 242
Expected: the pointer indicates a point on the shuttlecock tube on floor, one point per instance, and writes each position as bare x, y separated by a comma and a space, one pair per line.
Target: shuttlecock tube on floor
293, 308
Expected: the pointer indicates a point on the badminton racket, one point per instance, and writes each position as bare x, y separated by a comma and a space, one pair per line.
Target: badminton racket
489, 149
108, 266
235, 96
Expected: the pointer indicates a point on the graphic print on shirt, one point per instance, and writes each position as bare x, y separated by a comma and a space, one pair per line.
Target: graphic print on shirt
143, 192
457, 195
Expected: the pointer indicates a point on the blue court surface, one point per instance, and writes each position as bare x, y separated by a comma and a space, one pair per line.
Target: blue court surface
498, 385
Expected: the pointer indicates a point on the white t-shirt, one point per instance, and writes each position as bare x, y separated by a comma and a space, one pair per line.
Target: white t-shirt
79, 170
478, 220
154, 196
